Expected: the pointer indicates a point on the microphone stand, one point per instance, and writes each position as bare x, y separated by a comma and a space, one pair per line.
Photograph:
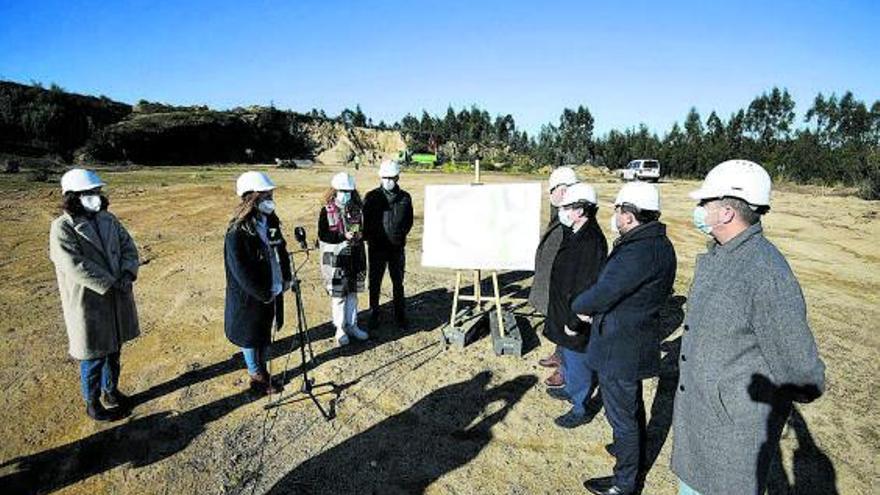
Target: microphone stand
308, 384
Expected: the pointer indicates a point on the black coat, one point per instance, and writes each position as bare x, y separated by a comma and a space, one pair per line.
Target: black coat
250, 305
625, 304
578, 263
388, 217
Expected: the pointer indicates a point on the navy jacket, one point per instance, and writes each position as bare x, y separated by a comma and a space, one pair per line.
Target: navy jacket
625, 304
250, 305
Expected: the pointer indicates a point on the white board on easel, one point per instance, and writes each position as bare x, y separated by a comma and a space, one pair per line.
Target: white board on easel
482, 227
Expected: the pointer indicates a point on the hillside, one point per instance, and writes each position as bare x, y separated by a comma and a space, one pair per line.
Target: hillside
38, 123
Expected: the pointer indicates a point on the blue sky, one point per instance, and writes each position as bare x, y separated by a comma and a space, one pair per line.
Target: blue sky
629, 62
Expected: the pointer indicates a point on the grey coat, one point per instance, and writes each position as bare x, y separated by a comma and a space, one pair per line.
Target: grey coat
98, 317
539, 294
747, 352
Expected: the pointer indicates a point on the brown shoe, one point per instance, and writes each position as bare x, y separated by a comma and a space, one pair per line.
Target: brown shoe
555, 380
262, 385
551, 361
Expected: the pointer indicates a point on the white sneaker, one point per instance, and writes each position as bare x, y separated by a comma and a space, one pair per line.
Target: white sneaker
356, 332
341, 338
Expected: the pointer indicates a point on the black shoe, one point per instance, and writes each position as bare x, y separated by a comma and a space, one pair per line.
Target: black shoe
604, 486
97, 412
572, 419
115, 400
373, 322
558, 394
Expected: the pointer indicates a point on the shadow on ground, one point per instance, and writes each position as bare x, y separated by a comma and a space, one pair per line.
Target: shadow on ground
410, 450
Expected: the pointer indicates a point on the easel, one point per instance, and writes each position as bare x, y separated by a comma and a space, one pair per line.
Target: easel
462, 324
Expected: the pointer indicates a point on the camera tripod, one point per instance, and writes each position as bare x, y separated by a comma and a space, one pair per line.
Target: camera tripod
306, 361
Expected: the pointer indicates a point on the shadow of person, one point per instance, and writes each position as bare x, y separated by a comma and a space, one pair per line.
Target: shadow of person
139, 442
407, 452
812, 469
657, 429
427, 317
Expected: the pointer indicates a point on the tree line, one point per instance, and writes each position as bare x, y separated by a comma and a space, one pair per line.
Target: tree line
836, 141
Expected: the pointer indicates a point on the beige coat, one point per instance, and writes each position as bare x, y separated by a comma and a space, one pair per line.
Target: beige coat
99, 317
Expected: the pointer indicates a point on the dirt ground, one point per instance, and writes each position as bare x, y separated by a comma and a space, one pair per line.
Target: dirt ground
410, 416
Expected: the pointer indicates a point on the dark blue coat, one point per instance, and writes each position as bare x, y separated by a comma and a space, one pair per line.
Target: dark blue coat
250, 305
625, 304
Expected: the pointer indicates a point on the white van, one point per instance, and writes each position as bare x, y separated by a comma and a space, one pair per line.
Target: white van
648, 170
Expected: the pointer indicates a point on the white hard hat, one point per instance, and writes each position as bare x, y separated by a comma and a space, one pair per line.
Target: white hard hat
741, 179
562, 176
78, 179
253, 181
342, 182
642, 195
389, 168
579, 192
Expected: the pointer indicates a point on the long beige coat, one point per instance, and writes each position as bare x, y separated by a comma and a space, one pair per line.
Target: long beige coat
99, 318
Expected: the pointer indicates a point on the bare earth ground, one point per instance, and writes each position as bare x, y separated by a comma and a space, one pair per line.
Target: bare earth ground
411, 417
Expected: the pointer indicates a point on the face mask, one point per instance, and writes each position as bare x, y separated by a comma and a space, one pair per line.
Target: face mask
343, 197
389, 184
564, 217
700, 214
91, 202
266, 206
614, 224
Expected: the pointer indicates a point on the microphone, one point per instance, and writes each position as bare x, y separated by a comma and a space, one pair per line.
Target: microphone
299, 233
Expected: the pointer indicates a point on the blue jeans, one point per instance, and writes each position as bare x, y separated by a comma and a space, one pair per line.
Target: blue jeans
580, 379
97, 374
683, 489
255, 359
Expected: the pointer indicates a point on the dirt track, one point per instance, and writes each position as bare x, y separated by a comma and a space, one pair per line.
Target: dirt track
410, 416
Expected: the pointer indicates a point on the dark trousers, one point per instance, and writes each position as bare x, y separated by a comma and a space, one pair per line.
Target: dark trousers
99, 373
394, 258
625, 410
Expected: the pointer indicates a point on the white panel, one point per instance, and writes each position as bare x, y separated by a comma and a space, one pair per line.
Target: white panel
486, 227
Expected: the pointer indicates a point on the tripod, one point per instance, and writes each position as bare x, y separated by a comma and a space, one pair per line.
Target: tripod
308, 384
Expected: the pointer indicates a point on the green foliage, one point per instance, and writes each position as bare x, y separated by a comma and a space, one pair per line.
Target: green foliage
838, 142
869, 186
36, 121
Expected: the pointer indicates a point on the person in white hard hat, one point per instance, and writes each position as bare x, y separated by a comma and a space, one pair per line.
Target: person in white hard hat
578, 262
96, 263
257, 273
747, 350
388, 218
343, 257
539, 293
623, 307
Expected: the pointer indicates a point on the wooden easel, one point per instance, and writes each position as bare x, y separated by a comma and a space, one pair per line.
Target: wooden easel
477, 298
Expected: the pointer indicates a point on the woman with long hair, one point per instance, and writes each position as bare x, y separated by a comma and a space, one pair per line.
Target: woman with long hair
343, 257
257, 274
96, 262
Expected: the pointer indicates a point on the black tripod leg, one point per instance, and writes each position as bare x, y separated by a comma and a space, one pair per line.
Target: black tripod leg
301, 318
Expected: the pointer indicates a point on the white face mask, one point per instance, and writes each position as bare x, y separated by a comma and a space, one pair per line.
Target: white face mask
343, 197
389, 184
564, 216
613, 225
266, 206
91, 202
